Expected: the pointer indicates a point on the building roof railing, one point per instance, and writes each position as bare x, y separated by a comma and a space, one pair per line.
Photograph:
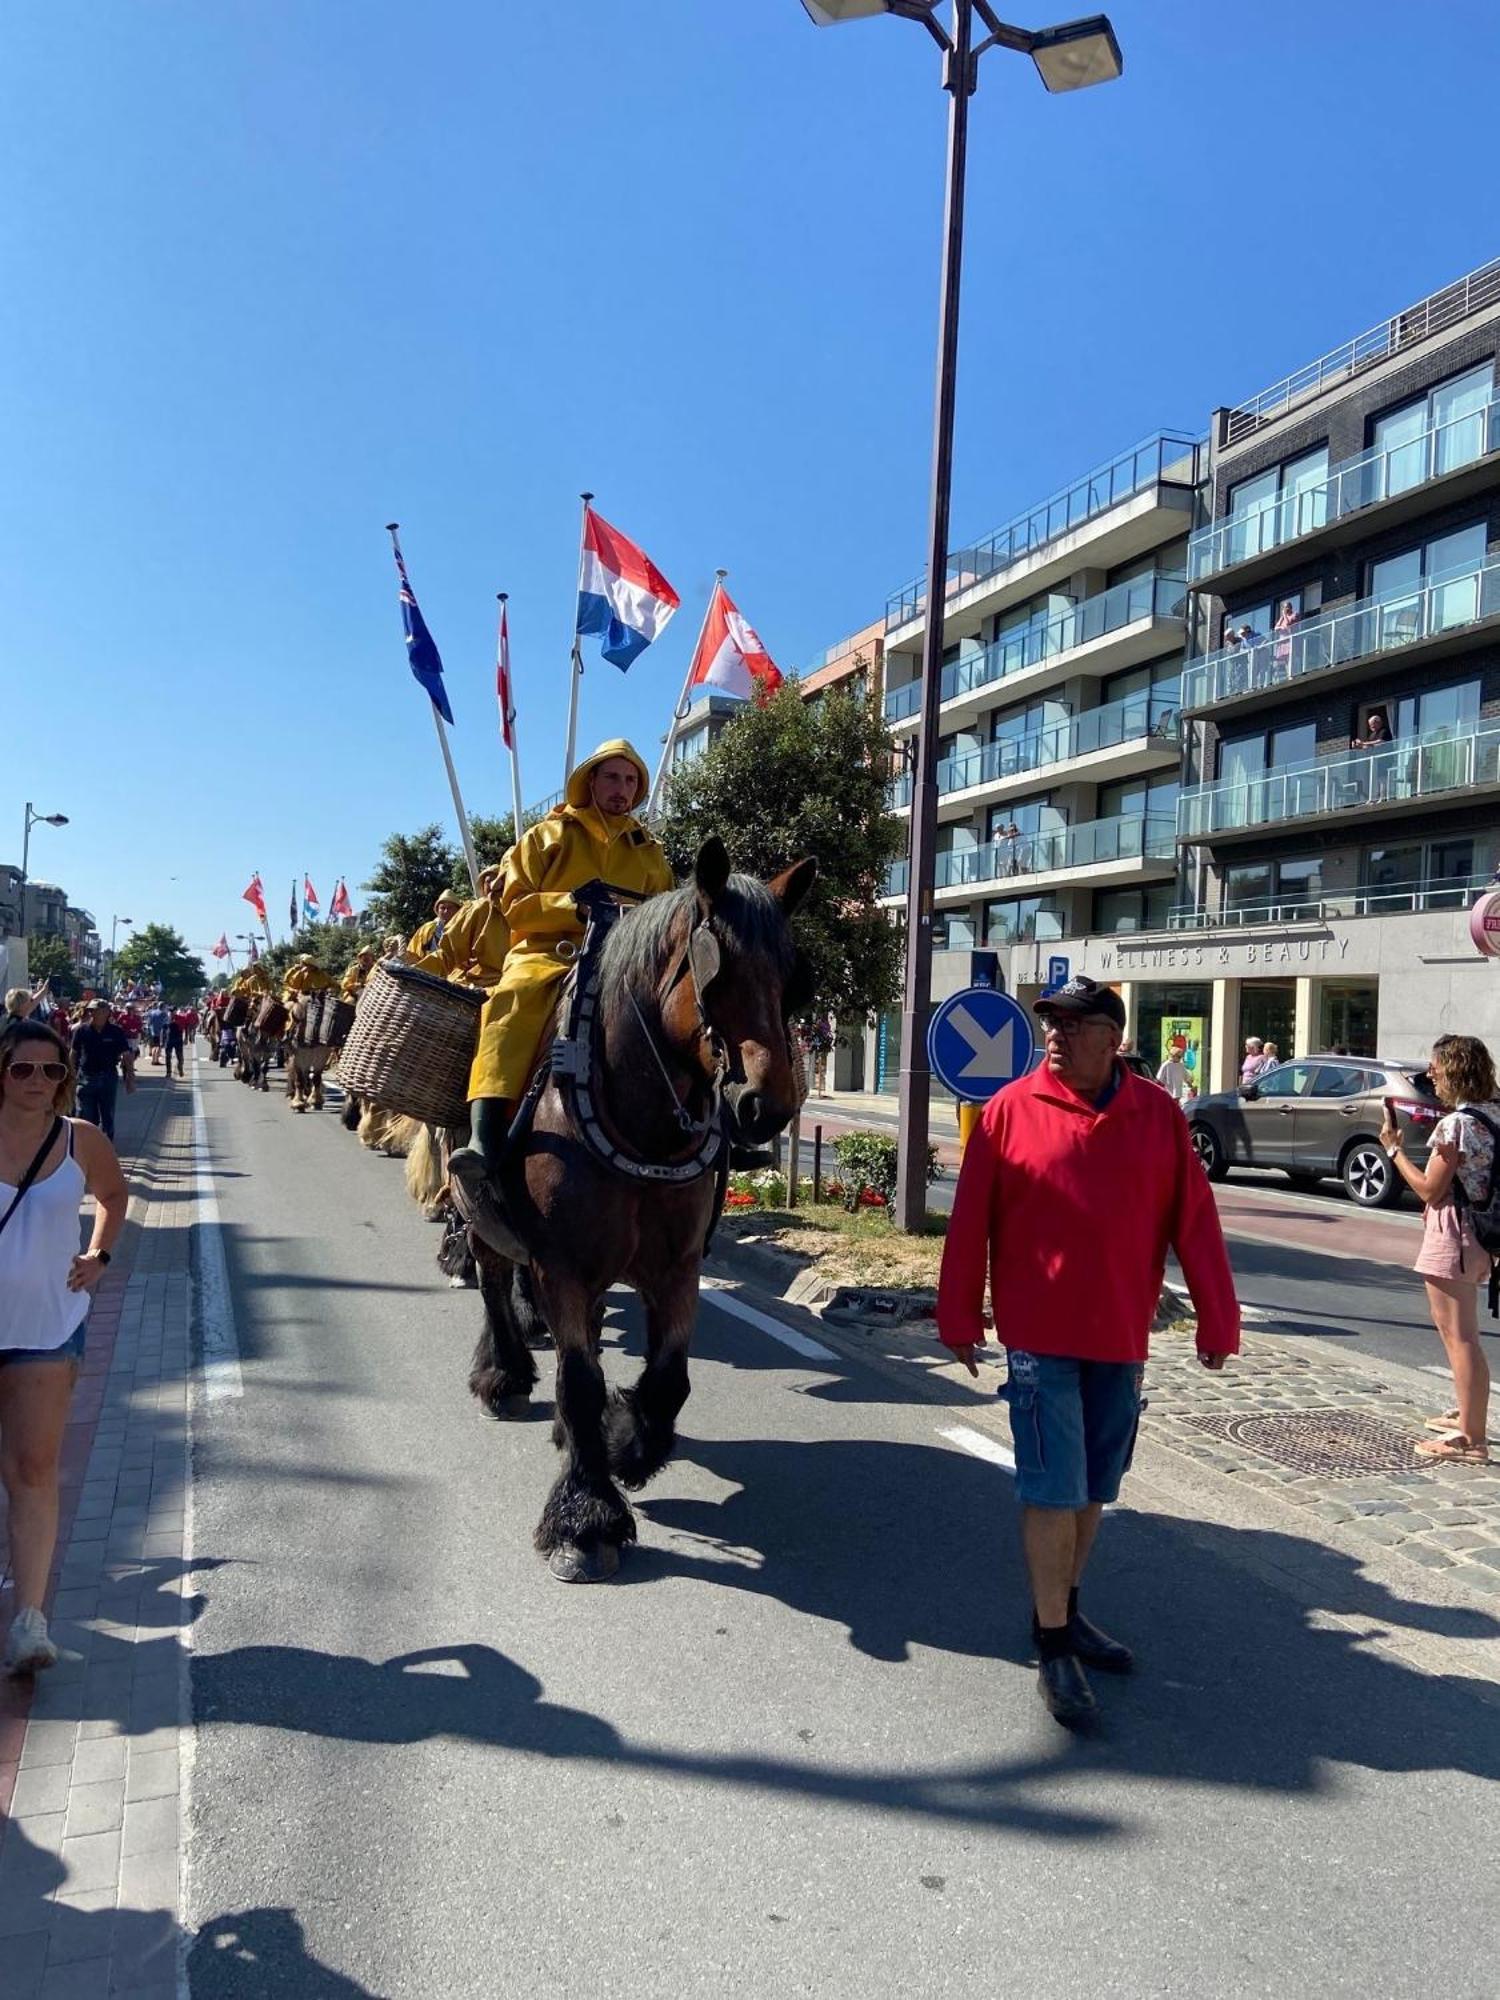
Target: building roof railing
1432, 315
1167, 457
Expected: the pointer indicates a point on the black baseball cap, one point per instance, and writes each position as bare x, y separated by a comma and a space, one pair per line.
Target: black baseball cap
1083, 996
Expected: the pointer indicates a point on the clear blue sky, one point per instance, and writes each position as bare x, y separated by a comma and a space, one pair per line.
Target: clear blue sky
278, 272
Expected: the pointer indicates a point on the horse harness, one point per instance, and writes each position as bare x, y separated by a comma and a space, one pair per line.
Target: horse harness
570, 1063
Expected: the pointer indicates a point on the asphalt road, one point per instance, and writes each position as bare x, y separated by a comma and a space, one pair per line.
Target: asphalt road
795, 1748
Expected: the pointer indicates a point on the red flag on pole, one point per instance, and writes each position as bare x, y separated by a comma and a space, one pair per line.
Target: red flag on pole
341, 905
503, 694
221, 949
730, 654
255, 896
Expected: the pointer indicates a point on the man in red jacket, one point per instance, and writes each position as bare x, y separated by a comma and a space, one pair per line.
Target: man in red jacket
1076, 1182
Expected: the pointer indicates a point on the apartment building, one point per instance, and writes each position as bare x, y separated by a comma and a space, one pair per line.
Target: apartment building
1059, 761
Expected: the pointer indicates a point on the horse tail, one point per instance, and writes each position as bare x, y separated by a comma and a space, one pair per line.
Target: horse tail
424, 1168
401, 1134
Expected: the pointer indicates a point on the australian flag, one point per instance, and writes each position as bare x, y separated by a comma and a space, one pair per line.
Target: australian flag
421, 648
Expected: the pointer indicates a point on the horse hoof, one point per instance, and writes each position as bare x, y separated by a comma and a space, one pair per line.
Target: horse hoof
511, 1409
570, 1564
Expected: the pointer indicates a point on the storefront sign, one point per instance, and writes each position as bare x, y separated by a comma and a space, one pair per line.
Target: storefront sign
1126, 961
1484, 924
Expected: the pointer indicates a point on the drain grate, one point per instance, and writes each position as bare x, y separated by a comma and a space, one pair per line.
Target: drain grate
1340, 1444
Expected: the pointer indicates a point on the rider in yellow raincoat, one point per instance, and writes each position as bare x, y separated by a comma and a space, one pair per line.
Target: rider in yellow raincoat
357, 972
592, 836
472, 949
306, 976
252, 982
425, 936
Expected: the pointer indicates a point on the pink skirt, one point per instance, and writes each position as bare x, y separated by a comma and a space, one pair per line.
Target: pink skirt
1449, 1249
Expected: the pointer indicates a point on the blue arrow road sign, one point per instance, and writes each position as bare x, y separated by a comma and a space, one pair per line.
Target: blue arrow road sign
978, 1040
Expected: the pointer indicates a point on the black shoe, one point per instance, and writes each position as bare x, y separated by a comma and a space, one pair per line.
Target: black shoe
479, 1202
1064, 1687
1096, 1648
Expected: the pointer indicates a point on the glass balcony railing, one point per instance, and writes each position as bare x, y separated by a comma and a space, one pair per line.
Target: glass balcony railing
1129, 837
1412, 767
897, 877
1138, 718
1372, 899
1361, 631
1156, 596
1374, 476
1166, 459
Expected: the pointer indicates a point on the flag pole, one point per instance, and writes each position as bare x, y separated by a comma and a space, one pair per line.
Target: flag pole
392, 528
503, 597
577, 673
681, 709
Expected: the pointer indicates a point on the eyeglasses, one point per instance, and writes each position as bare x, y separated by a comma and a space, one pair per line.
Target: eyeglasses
53, 1071
1070, 1026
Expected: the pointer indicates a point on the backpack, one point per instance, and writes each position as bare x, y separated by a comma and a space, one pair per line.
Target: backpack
1484, 1215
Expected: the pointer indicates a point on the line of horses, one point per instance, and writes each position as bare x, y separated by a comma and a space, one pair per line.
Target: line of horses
616, 1173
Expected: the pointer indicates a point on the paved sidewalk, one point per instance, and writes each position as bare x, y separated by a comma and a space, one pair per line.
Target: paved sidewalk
90, 1763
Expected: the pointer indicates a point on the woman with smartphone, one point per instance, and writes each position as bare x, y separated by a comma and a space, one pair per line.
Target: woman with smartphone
1451, 1261
48, 1162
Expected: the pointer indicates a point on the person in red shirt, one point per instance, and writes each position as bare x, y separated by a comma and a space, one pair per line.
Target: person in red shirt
1077, 1181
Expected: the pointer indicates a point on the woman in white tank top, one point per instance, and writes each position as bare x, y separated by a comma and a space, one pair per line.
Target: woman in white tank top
47, 1164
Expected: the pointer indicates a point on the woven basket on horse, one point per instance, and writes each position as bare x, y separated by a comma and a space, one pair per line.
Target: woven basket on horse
271, 1017
237, 1013
412, 1044
322, 1019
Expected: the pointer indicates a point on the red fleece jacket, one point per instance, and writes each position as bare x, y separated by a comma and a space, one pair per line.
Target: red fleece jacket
1069, 1211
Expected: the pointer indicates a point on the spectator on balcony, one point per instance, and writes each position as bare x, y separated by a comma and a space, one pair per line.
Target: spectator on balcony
1376, 737
1287, 621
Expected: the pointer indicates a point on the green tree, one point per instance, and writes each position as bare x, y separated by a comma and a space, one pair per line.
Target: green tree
157, 952
790, 778
49, 958
492, 839
412, 869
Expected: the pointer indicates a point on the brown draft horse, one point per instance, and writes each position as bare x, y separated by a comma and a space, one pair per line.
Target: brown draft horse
691, 1036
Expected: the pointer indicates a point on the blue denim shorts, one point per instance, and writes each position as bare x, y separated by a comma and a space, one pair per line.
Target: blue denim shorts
70, 1350
1073, 1426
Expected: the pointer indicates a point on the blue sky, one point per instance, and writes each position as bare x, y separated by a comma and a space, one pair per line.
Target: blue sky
278, 271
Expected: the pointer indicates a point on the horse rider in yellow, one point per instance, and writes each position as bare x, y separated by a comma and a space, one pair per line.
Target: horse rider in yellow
357, 972
253, 982
472, 948
426, 936
306, 976
592, 836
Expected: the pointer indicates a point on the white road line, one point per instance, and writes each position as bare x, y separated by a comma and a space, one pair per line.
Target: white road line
981, 1446
213, 1304
799, 1343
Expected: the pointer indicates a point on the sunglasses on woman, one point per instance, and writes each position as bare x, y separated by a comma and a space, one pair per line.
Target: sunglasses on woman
53, 1071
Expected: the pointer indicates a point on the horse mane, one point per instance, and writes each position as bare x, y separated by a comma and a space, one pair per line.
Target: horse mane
747, 920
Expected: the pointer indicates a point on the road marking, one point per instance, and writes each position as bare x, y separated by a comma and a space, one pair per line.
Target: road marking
799, 1343
213, 1303
980, 1446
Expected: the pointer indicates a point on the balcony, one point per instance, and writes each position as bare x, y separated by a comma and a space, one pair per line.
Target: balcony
1128, 845
1405, 773
1167, 459
1145, 728
1443, 462
1375, 899
1130, 611
1439, 618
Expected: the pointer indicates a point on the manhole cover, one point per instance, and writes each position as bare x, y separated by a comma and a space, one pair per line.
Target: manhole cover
1340, 1444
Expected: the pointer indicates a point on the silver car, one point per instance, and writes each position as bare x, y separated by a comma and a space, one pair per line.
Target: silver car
1319, 1118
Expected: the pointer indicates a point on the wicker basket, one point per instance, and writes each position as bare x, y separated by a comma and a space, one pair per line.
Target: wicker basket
412, 1044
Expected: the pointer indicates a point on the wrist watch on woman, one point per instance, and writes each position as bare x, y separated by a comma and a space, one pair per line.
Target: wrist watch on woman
102, 1255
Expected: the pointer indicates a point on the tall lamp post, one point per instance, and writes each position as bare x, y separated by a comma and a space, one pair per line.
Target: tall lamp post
33, 818
109, 981
1069, 57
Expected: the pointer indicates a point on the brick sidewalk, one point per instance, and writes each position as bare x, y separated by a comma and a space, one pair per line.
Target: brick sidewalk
90, 1762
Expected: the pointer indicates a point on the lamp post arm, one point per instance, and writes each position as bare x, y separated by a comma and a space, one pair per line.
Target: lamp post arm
922, 10
1001, 35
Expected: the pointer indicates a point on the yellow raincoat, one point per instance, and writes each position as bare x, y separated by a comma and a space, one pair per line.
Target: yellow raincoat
254, 979
305, 977
573, 845
353, 982
472, 949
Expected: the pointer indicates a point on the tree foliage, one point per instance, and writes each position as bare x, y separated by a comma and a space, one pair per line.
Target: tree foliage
791, 778
406, 882
157, 953
49, 958
492, 838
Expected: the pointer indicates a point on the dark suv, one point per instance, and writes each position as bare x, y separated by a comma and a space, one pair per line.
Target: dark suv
1316, 1118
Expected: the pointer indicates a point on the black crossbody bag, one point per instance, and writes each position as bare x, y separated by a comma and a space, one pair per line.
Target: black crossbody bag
32, 1171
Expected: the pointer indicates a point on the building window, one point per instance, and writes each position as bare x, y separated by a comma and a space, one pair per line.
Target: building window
1448, 566
1292, 887
1276, 506
1252, 755
1437, 433
1136, 798
954, 930
1431, 875
1133, 909
1020, 919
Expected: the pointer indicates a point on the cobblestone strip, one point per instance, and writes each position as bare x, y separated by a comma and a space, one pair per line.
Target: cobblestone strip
89, 1862
1443, 1517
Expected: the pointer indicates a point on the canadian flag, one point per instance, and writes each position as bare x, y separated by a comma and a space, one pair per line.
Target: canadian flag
730, 654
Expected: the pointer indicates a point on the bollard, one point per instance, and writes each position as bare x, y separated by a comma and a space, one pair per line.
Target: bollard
795, 1169
817, 1165
968, 1118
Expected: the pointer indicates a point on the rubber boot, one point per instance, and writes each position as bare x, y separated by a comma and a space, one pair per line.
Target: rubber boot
474, 1175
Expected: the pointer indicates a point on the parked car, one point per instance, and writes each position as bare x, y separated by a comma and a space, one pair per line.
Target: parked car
1318, 1118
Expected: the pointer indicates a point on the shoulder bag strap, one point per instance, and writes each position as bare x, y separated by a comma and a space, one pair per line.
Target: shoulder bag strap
32, 1171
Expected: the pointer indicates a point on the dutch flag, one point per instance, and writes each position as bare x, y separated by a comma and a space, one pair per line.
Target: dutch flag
622, 595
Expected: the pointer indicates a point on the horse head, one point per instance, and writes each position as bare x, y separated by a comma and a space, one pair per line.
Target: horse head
747, 979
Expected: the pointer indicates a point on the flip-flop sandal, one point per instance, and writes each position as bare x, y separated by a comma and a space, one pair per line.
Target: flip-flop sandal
1454, 1450
1443, 1424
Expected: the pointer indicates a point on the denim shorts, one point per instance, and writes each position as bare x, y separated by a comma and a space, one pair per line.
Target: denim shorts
70, 1350
1073, 1426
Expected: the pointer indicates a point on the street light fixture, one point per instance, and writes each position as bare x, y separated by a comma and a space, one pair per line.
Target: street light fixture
33, 818
1070, 56
109, 981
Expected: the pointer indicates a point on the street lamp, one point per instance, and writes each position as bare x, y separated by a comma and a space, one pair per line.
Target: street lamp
1068, 57
109, 980
33, 818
